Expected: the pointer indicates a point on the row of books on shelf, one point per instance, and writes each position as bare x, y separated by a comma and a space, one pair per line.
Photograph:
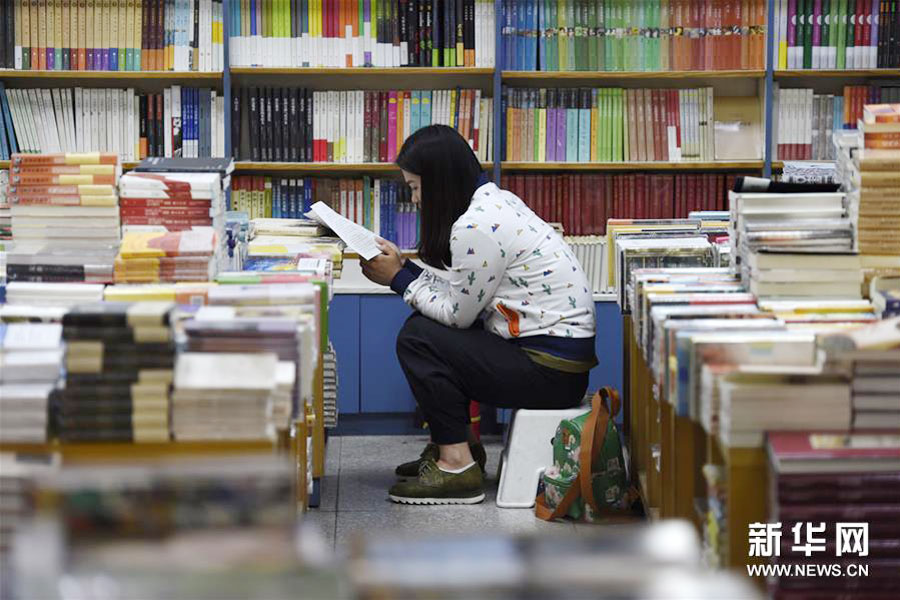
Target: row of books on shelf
837, 34
616, 35
616, 124
805, 121
180, 121
119, 35
362, 33
379, 205
352, 126
583, 203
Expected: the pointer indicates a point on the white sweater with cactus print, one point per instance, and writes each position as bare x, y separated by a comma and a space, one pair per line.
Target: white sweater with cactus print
511, 269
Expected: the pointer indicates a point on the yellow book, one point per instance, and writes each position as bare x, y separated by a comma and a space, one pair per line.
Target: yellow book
54, 34
112, 42
129, 35
138, 34
23, 35
542, 135
105, 33
453, 122
65, 40
39, 21
510, 146
123, 8
169, 53
95, 7
266, 209
82, 34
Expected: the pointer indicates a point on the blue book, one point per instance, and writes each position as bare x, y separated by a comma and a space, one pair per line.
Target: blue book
383, 208
415, 111
278, 193
532, 34
504, 102
307, 195
7, 120
304, 25
425, 114
584, 127
295, 199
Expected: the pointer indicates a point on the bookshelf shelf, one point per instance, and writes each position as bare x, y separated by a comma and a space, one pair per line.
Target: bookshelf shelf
121, 451
399, 72
745, 165
245, 166
111, 75
597, 75
819, 73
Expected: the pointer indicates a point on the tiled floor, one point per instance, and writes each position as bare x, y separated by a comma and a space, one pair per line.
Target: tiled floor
359, 471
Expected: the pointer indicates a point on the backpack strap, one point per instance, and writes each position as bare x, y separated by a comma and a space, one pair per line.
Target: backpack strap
604, 405
594, 427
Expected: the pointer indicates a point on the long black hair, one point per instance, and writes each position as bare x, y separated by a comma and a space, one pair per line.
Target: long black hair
450, 174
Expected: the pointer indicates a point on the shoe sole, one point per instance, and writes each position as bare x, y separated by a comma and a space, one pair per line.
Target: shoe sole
437, 501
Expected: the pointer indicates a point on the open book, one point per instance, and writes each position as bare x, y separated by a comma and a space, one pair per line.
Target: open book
358, 238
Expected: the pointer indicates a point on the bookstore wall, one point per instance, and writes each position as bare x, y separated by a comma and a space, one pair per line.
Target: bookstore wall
172, 177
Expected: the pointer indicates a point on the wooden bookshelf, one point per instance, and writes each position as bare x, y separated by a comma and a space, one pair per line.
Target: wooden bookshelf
389, 72
125, 451
600, 75
837, 73
743, 165
112, 75
316, 168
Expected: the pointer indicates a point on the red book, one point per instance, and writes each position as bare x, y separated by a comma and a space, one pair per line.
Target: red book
631, 200
382, 128
640, 196
175, 202
833, 451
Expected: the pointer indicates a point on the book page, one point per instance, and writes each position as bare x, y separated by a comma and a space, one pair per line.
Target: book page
358, 238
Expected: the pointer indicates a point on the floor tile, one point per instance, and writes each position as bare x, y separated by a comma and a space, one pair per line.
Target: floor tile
321, 523
329, 489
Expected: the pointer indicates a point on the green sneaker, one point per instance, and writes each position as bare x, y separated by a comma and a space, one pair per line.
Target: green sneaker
411, 468
434, 486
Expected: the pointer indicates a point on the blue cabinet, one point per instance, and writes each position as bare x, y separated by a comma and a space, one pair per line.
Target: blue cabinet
343, 327
382, 385
364, 333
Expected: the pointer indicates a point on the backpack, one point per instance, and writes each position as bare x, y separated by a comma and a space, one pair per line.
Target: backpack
587, 480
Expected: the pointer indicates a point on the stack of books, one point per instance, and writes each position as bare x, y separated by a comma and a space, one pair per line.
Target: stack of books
176, 201
885, 295
870, 354
835, 496
152, 257
28, 293
225, 395
119, 368
293, 247
794, 245
5, 216
221, 329
330, 386
752, 403
31, 357
875, 180
65, 216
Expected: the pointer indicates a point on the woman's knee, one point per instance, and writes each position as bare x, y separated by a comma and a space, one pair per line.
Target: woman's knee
414, 330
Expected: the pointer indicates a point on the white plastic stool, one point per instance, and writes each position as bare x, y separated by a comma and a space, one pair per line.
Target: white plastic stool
528, 452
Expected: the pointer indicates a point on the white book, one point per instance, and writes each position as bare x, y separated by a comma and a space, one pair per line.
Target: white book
70, 118
36, 107
59, 118
136, 125
167, 121
344, 123
102, 117
22, 134
95, 122
220, 126
53, 138
710, 130
77, 94
65, 114
477, 119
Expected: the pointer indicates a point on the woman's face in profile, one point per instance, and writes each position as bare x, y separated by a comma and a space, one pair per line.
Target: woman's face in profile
415, 186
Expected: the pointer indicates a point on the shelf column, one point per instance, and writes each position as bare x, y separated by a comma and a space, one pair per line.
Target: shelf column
770, 70
498, 85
